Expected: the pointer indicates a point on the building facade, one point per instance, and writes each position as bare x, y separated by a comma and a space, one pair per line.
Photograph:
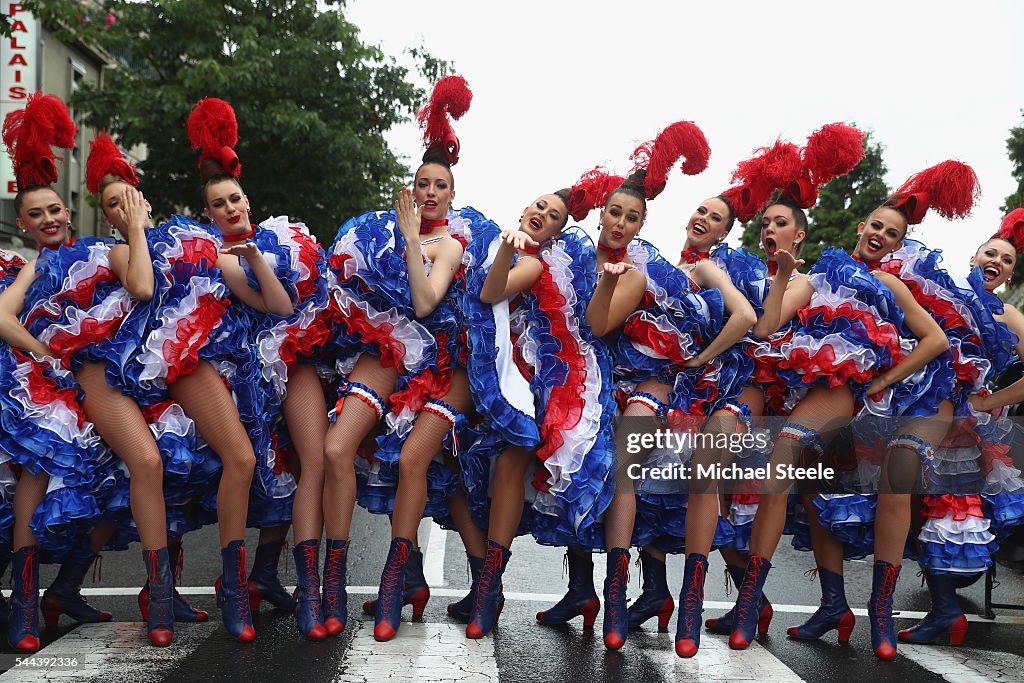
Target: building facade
34, 59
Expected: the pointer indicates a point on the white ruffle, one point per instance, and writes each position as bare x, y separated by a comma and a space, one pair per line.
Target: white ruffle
969, 531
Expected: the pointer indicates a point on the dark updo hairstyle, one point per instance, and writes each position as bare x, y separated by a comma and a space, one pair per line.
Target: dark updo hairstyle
730, 216
950, 187
213, 128
451, 97
29, 135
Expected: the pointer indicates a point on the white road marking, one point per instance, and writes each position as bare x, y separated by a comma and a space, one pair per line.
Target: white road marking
420, 652
715, 661
117, 649
965, 665
433, 556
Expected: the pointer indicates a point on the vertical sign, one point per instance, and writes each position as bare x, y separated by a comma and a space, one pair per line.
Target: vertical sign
19, 75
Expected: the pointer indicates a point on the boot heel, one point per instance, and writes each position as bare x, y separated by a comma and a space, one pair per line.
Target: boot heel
51, 616
765, 619
845, 627
255, 598
589, 612
665, 614
419, 603
958, 631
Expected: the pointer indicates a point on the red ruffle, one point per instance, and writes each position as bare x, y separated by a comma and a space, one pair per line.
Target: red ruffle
961, 507
392, 351
181, 351
991, 452
91, 331
306, 342
663, 343
43, 390
432, 383
565, 404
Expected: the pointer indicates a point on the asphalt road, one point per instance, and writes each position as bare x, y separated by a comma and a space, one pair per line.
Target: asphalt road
520, 649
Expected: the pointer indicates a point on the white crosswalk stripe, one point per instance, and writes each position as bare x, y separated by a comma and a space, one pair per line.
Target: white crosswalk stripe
420, 652
118, 650
966, 665
716, 662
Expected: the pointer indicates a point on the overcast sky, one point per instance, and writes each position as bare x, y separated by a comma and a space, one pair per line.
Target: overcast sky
561, 85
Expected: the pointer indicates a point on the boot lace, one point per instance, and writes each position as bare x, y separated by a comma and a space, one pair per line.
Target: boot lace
389, 587
243, 587
694, 599
179, 564
492, 564
28, 587
159, 608
883, 603
616, 586
311, 585
746, 600
332, 577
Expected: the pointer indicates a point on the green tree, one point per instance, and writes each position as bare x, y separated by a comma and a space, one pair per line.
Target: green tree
313, 101
842, 204
1015, 150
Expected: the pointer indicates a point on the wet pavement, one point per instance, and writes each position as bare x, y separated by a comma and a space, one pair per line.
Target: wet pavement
520, 649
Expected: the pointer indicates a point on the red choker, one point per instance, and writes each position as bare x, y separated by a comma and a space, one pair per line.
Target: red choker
427, 227
70, 241
531, 251
692, 255
236, 239
613, 255
872, 265
773, 268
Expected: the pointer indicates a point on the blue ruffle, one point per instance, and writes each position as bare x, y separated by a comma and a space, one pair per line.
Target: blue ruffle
746, 271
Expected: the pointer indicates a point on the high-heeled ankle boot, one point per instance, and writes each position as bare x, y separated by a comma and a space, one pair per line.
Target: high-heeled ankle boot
725, 624
233, 593
392, 587
334, 606
581, 597
746, 612
264, 583
64, 594
655, 599
23, 619
883, 586
417, 592
464, 607
691, 605
486, 607
183, 611
944, 617
307, 592
833, 613
160, 616
616, 621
